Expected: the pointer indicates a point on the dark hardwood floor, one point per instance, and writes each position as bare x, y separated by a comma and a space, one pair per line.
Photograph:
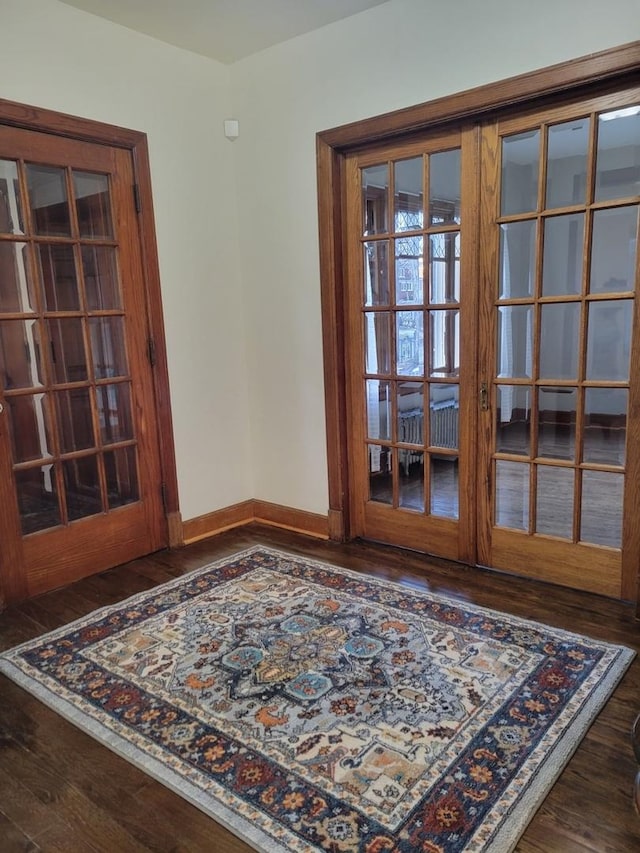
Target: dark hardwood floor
61, 791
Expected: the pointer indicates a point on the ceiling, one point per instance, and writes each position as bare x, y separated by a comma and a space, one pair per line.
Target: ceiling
226, 30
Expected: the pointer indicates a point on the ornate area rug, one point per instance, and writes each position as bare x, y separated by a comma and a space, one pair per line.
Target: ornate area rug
309, 708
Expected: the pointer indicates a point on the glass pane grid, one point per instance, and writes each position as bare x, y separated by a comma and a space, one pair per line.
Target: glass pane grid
572, 358
65, 367
407, 243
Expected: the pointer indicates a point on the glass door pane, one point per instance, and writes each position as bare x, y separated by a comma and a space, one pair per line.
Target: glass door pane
562, 295
430, 286
63, 361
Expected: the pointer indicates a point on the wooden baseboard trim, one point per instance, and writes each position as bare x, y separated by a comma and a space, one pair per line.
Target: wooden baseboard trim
275, 515
299, 520
216, 522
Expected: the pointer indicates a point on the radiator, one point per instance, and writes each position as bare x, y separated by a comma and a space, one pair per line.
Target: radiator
444, 424
444, 430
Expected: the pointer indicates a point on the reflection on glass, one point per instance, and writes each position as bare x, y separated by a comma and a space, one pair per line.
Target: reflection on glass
444, 415
520, 156
100, 277
513, 419
377, 341
380, 474
82, 487
410, 343
554, 501
567, 163
512, 495
20, 354
618, 154
114, 412
16, 288
107, 347
93, 204
613, 250
379, 409
409, 270
37, 498
58, 277
605, 425
609, 339
75, 424
411, 482
515, 346
559, 330
10, 208
445, 343
444, 486
376, 273
48, 201
411, 412
444, 187
602, 503
67, 350
444, 267
517, 259
557, 422
121, 476
562, 260
408, 194
29, 427
375, 192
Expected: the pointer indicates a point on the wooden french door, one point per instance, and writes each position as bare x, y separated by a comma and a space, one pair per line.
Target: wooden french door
411, 343
559, 344
79, 457
493, 368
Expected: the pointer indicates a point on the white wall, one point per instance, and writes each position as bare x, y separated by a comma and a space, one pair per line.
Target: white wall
400, 53
246, 368
57, 57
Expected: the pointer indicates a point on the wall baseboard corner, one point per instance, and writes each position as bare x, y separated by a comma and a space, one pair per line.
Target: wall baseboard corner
263, 512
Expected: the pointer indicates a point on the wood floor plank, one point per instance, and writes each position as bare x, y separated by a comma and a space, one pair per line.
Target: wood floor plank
94, 825
92, 795
185, 825
59, 839
25, 810
13, 839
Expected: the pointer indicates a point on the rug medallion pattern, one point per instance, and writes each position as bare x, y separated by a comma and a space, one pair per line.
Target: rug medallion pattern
319, 709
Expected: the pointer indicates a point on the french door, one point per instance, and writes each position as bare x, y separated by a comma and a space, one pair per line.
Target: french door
79, 458
493, 359
410, 324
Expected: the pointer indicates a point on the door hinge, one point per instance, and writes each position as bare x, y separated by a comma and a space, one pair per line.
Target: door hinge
136, 198
151, 349
163, 495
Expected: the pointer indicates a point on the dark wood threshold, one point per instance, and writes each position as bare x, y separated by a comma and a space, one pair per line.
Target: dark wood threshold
62, 791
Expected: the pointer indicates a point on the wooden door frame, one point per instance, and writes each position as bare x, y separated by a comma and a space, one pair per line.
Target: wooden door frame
586, 75
13, 114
